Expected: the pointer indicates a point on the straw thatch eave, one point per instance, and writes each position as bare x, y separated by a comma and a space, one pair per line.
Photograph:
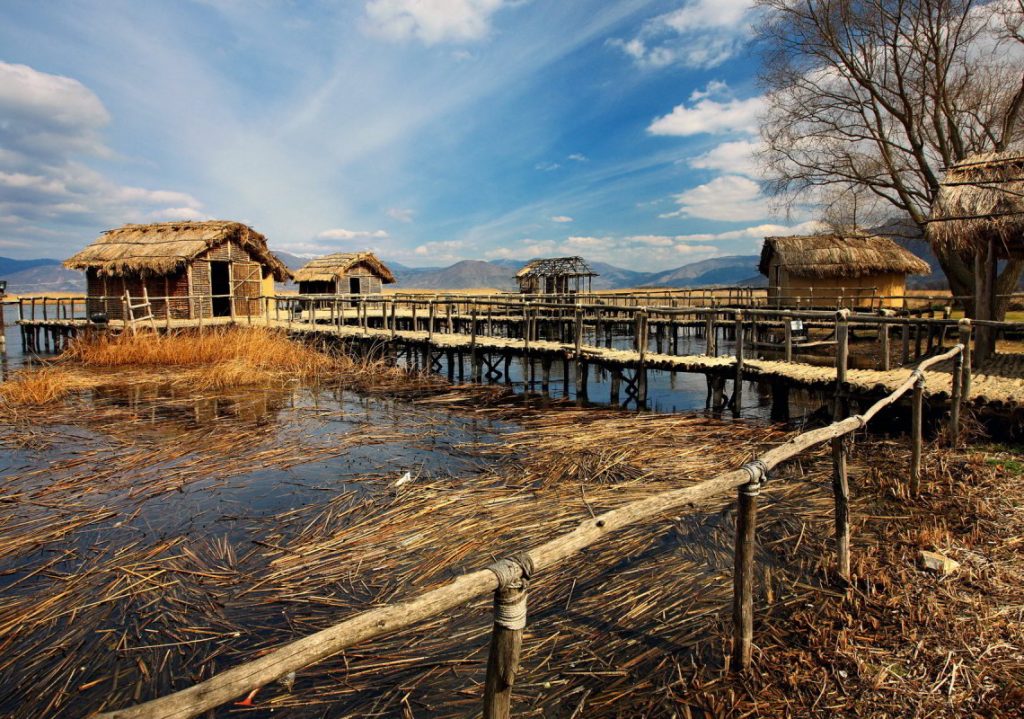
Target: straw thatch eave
167, 247
331, 268
565, 266
981, 200
832, 256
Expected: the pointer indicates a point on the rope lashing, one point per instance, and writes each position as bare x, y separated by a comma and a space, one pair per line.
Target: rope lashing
513, 572
757, 470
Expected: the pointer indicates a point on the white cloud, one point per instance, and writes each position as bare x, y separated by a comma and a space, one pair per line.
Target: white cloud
756, 232
729, 198
561, 218
48, 115
402, 214
339, 233
652, 240
546, 166
701, 33
705, 115
46, 123
431, 21
578, 157
735, 157
442, 250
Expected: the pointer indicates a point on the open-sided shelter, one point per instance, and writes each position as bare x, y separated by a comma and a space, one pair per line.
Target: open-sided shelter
979, 211
555, 276
186, 269
344, 273
832, 268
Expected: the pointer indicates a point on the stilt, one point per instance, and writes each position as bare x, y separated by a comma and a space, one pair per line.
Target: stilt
743, 577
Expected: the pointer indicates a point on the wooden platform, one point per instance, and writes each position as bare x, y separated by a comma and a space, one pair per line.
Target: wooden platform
998, 383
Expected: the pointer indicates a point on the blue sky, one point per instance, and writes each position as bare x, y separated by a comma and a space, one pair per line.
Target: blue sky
427, 130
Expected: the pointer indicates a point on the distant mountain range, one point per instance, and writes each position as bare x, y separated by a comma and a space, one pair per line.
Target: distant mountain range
46, 275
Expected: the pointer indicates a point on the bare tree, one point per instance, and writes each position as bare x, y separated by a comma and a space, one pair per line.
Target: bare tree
881, 95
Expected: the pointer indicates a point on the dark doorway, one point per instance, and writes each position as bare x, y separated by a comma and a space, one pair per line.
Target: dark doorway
353, 285
220, 284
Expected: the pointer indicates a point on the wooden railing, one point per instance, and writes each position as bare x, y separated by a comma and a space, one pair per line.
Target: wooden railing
507, 578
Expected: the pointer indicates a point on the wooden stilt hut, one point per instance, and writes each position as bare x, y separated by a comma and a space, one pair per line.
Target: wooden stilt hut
345, 273
556, 276
181, 270
979, 210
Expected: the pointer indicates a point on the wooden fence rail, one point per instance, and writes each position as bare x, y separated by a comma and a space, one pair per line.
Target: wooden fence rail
505, 578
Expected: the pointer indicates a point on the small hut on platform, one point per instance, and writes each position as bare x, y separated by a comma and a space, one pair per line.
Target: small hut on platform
831, 269
555, 276
346, 273
184, 270
979, 211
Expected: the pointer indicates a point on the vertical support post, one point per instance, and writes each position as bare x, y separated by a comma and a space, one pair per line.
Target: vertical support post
840, 479
965, 339
616, 384
955, 398
430, 321
905, 340
506, 645
743, 577
916, 439
737, 388
883, 341
579, 330
985, 299
787, 320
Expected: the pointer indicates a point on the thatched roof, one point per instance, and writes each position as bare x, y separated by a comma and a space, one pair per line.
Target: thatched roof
851, 256
332, 267
982, 199
571, 266
166, 247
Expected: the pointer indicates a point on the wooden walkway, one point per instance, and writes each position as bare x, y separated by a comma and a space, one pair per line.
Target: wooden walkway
998, 383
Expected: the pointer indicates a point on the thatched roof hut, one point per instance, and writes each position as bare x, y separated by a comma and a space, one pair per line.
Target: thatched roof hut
344, 273
188, 270
981, 199
855, 268
167, 247
555, 275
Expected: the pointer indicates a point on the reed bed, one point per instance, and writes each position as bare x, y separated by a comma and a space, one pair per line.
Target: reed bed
216, 359
151, 535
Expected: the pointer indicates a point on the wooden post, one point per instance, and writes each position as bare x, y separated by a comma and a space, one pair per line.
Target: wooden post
965, 340
506, 645
616, 384
430, 321
579, 329
905, 339
737, 388
545, 375
840, 479
954, 400
883, 342
743, 577
788, 322
915, 435
985, 299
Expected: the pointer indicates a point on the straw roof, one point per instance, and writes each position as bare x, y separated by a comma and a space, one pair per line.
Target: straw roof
166, 247
821, 256
981, 199
571, 266
332, 267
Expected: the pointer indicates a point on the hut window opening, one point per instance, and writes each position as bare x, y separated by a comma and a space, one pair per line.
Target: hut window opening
220, 284
353, 285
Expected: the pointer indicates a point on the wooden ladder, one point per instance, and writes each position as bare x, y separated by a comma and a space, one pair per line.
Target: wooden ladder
145, 305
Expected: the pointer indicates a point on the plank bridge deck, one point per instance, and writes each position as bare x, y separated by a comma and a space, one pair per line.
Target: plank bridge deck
998, 382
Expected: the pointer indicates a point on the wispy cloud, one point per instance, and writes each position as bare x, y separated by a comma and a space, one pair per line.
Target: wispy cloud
560, 218
339, 233
699, 34
729, 198
402, 214
431, 21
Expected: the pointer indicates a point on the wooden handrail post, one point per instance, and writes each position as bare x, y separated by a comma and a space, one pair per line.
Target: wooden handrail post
743, 576
737, 389
430, 320
840, 479
955, 396
916, 435
964, 327
787, 321
506, 641
883, 340
579, 329
709, 334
